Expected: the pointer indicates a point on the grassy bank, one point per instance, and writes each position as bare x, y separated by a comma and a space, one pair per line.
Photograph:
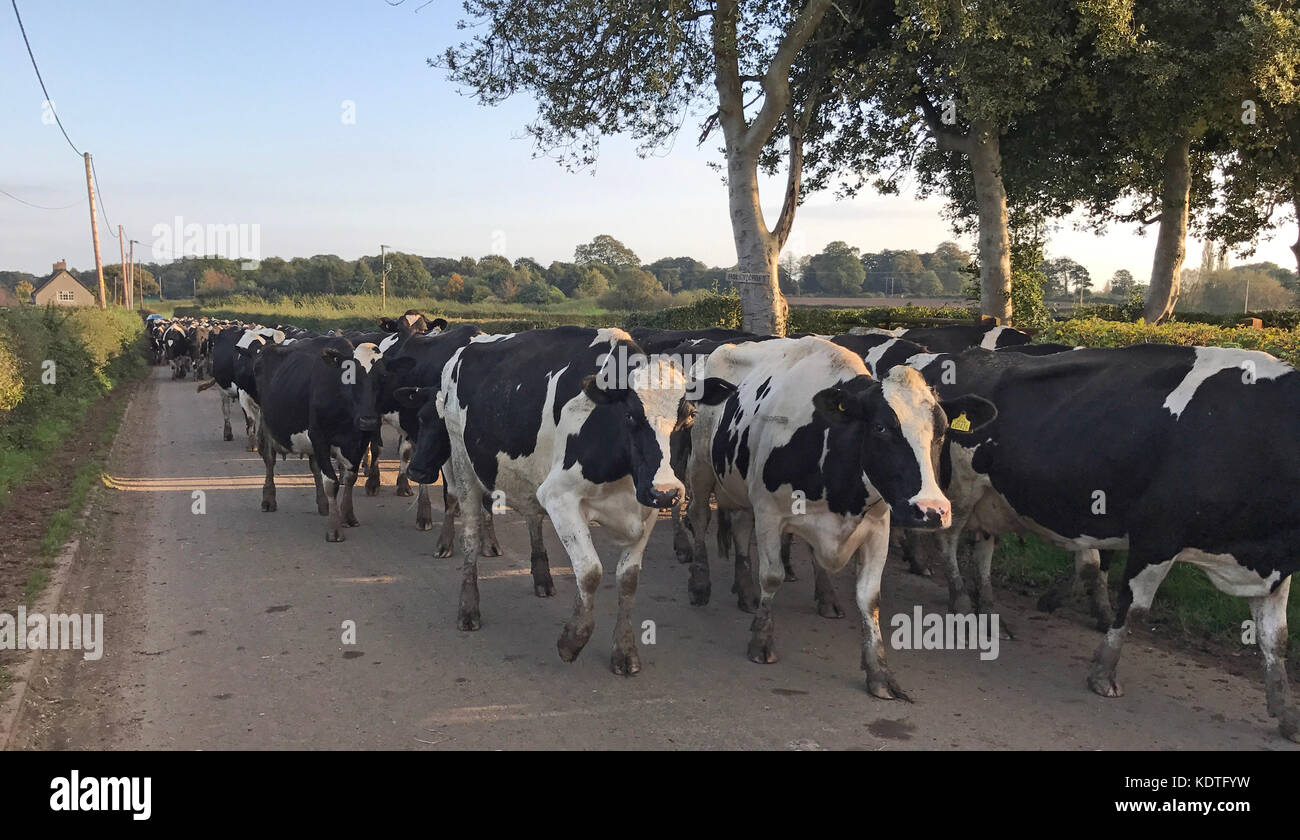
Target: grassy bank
54, 365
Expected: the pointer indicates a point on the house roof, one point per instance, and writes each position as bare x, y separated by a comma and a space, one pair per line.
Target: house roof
54, 277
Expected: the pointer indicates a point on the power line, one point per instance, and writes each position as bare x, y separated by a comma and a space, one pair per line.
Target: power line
48, 100
100, 191
38, 206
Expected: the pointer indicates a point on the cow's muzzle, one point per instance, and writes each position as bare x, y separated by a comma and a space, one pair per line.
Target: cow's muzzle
930, 513
664, 497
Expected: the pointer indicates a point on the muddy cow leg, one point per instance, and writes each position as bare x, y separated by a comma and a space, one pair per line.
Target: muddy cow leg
490, 547
1269, 612
743, 585
468, 488
543, 586
870, 565
268, 486
226, 432
1141, 579
982, 559
762, 630
575, 534
624, 659
699, 488
787, 544
322, 503
404, 452
450, 507
349, 481
828, 601
911, 545
330, 480
681, 534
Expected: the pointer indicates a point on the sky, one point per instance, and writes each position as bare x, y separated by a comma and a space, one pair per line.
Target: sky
320, 128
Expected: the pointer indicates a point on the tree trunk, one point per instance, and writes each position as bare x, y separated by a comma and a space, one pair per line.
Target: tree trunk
994, 238
762, 306
1171, 241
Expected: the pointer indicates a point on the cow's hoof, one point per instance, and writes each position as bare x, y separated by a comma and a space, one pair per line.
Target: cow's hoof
885, 687
1104, 623
268, 506
489, 549
227, 436
425, 525
469, 620
443, 551
571, 643
762, 651
747, 603
1105, 685
919, 569
790, 576
829, 609
404, 491
684, 557
544, 590
625, 664
334, 536
961, 605
699, 593
372, 491
351, 522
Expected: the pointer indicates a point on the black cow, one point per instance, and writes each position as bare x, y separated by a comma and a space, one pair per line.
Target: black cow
955, 338
653, 340
177, 347
1176, 453
318, 398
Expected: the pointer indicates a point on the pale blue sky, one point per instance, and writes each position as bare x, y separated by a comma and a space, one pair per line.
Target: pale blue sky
231, 113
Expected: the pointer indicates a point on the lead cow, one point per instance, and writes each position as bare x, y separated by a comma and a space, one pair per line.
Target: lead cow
794, 435
572, 423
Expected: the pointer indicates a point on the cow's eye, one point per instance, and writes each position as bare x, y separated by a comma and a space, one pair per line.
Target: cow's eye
630, 421
880, 429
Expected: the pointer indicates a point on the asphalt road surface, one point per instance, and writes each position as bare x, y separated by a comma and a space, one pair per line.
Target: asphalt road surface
224, 630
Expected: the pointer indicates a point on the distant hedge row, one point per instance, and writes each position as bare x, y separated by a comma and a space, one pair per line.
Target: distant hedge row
91, 351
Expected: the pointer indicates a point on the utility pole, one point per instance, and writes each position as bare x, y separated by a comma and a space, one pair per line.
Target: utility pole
94, 231
121, 249
131, 258
383, 279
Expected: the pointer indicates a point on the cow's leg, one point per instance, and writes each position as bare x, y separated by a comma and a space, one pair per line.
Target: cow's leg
489, 547
450, 507
423, 510
330, 480
624, 659
574, 533
349, 481
543, 586
250, 429
700, 487
226, 432
948, 542
1088, 571
1269, 613
762, 639
982, 558
916, 564
375, 446
322, 504
404, 451
828, 602
468, 488
743, 585
268, 486
871, 558
681, 534
1141, 580
787, 544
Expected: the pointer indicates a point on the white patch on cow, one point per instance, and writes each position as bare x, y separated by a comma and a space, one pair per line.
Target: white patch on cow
875, 354
411, 319
301, 443
479, 339
907, 393
990, 339
1228, 575
921, 360
367, 354
388, 342
1211, 360
610, 336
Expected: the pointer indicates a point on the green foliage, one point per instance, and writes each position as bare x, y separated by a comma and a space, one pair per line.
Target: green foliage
608, 250
635, 290
710, 309
836, 271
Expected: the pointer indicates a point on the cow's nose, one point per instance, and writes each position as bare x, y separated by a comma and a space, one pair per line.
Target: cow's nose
665, 496
935, 513
368, 423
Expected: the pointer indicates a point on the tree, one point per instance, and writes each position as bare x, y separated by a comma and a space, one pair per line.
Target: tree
454, 287
636, 290
608, 250
213, 283
835, 271
591, 283
1122, 283
645, 65
407, 276
24, 290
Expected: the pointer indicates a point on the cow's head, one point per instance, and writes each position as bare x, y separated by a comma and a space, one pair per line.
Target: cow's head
362, 375
432, 444
635, 414
901, 425
413, 322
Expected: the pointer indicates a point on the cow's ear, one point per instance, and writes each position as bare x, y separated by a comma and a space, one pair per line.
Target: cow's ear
413, 397
836, 405
715, 391
598, 395
388, 325
438, 324
401, 364
967, 414
332, 356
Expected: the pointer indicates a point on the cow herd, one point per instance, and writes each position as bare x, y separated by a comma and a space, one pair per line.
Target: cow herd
934, 440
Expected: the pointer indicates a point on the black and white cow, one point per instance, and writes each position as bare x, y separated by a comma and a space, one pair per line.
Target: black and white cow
653, 340
1175, 453
318, 398
177, 347
955, 338
795, 435
224, 354
571, 423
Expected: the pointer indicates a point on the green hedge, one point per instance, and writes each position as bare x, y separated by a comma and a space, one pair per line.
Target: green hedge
1096, 332
1285, 319
92, 351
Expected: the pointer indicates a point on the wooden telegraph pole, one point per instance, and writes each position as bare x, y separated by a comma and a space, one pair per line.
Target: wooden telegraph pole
94, 232
121, 249
131, 260
383, 279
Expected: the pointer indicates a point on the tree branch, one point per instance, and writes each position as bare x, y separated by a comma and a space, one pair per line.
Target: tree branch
776, 81
948, 140
794, 175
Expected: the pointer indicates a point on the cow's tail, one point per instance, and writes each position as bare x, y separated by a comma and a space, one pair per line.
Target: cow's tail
206, 385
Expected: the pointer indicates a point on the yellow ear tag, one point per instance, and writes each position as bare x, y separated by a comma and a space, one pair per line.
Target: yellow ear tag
840, 407
960, 423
